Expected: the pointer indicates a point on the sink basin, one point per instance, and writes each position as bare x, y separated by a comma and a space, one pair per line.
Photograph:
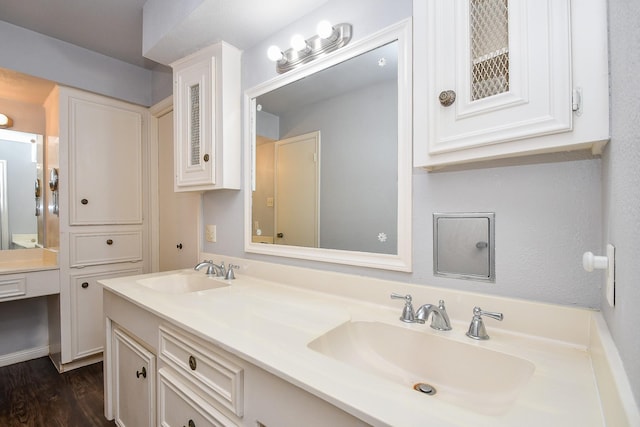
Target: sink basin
467, 375
182, 282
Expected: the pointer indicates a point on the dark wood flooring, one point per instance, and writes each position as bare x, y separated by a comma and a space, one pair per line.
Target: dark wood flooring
34, 394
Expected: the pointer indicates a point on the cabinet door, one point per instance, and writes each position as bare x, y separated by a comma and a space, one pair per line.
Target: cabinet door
194, 113
489, 72
178, 213
134, 382
105, 156
87, 323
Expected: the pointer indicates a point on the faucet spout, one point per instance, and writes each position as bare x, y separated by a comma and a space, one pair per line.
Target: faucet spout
211, 267
439, 320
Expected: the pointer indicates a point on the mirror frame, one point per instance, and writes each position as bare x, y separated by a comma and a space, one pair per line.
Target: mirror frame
402, 260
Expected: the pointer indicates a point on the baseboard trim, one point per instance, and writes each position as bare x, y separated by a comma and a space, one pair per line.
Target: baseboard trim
24, 355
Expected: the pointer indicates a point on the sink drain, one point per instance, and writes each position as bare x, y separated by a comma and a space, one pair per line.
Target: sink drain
425, 388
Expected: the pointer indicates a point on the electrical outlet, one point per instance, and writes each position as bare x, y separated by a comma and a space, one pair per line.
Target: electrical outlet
210, 234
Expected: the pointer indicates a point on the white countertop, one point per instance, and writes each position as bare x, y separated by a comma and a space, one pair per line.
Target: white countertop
270, 325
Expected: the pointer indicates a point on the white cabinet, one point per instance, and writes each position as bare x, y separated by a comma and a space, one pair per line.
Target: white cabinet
207, 119
87, 326
504, 78
198, 383
105, 158
103, 196
134, 381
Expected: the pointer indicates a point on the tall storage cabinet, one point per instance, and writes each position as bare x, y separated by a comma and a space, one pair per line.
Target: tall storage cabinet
506, 78
103, 205
206, 87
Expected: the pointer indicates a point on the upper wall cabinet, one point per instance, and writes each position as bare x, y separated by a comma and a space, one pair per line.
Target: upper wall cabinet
207, 119
505, 78
105, 159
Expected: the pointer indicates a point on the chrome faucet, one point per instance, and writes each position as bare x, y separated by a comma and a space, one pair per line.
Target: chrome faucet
439, 320
477, 330
211, 267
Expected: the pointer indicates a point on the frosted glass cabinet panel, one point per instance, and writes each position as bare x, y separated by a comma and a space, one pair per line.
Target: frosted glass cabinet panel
490, 74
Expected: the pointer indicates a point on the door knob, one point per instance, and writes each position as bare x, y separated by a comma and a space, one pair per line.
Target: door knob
447, 97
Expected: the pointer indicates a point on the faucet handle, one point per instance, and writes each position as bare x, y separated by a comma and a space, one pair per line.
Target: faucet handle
230, 275
408, 315
477, 331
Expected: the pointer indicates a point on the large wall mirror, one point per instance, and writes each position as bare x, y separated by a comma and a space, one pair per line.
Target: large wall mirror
329, 149
21, 190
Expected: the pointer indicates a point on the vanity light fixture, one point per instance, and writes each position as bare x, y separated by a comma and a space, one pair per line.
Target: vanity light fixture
5, 121
329, 38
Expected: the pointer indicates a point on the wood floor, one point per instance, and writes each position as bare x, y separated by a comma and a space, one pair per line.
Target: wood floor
34, 394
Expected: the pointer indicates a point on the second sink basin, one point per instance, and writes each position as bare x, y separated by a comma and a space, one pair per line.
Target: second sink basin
467, 375
182, 282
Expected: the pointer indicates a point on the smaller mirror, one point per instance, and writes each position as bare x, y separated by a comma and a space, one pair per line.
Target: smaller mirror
21, 177
463, 246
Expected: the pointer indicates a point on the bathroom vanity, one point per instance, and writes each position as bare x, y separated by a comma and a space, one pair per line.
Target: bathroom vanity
286, 346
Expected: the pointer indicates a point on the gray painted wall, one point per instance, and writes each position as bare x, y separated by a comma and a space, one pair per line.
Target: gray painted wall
41, 56
621, 184
549, 209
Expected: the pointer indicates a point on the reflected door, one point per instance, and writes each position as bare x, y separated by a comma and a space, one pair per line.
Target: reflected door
179, 212
296, 190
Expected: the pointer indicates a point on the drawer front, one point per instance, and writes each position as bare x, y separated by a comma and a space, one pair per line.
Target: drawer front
179, 406
105, 248
13, 287
209, 368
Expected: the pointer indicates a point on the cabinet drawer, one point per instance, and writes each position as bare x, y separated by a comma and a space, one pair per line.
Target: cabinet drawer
180, 406
29, 285
12, 287
105, 248
209, 368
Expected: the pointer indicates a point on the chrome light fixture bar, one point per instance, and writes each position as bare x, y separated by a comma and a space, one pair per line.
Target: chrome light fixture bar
329, 38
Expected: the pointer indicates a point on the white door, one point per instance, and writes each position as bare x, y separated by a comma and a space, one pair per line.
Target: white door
179, 213
297, 190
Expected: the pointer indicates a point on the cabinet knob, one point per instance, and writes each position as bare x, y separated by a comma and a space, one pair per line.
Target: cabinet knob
447, 97
179, 246
191, 424
84, 201
206, 158
192, 363
142, 373
85, 285
109, 242
280, 235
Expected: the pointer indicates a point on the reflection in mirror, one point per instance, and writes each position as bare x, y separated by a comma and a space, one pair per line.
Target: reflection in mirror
463, 246
21, 200
350, 111
331, 157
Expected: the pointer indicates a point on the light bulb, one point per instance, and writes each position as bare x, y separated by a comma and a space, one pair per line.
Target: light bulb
324, 29
274, 53
298, 42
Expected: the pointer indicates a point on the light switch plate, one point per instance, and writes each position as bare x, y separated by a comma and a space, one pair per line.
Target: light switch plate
611, 275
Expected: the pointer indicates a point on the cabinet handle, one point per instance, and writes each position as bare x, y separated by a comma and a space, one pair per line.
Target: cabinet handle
179, 246
192, 363
85, 285
447, 97
191, 424
109, 242
84, 201
206, 158
142, 373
